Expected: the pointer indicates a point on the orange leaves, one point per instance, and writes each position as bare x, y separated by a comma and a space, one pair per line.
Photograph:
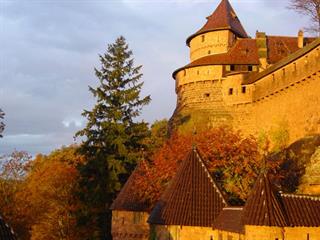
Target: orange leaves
235, 160
46, 200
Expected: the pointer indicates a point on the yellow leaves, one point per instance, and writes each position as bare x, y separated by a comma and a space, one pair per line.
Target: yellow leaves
47, 201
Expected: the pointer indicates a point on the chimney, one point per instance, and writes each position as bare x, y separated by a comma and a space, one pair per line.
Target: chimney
300, 39
261, 41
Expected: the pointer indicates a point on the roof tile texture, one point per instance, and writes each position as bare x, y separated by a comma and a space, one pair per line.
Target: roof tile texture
224, 17
128, 199
192, 198
6, 232
229, 220
302, 211
263, 207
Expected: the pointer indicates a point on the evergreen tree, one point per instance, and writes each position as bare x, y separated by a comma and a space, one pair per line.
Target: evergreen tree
113, 138
2, 125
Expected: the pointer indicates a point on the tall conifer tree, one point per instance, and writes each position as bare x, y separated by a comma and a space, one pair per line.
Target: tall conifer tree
112, 137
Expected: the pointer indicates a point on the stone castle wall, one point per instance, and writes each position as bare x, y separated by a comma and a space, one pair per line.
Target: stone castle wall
130, 225
286, 97
211, 43
161, 232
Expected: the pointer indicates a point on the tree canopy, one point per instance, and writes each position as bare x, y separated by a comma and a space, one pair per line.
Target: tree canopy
113, 137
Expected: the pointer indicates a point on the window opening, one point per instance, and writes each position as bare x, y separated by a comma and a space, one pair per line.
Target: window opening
243, 89
250, 68
232, 67
230, 91
203, 37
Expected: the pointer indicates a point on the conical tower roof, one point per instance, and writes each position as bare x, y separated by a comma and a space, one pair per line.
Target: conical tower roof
224, 17
264, 207
192, 198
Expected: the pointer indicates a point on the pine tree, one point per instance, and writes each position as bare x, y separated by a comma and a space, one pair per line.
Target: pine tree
113, 137
2, 125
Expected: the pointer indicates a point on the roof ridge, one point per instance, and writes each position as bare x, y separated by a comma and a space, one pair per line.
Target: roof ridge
212, 180
294, 195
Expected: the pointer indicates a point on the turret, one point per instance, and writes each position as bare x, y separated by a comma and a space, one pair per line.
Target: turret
218, 34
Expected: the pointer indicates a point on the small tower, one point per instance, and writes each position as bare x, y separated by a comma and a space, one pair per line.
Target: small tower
215, 50
218, 34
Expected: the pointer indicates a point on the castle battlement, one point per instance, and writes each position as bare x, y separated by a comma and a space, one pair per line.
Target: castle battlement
255, 84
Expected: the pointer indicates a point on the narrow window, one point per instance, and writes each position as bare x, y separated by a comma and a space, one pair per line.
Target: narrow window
308, 236
243, 89
209, 52
273, 77
232, 67
230, 91
283, 72
250, 68
295, 66
198, 72
207, 95
203, 38
184, 72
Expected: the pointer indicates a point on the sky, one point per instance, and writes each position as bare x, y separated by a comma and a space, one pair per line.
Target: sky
49, 48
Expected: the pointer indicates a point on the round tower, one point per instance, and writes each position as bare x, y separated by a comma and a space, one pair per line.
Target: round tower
199, 84
218, 34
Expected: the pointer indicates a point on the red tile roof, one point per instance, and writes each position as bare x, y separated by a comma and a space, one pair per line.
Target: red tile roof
286, 60
280, 47
244, 52
6, 233
128, 198
263, 207
229, 220
192, 198
302, 210
224, 17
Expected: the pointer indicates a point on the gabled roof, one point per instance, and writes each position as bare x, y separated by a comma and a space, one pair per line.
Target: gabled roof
229, 220
302, 210
224, 17
263, 207
128, 199
192, 198
6, 233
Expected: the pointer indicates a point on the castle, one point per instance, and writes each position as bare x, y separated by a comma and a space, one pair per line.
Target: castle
257, 85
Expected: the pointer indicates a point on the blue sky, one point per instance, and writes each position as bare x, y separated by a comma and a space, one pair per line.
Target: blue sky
50, 47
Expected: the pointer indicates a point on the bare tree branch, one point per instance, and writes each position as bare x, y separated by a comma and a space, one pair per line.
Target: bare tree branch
2, 125
311, 8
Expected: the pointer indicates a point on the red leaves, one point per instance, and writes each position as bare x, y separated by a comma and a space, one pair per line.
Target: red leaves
237, 159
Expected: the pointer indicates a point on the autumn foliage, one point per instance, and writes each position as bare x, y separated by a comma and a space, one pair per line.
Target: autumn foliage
43, 205
235, 161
